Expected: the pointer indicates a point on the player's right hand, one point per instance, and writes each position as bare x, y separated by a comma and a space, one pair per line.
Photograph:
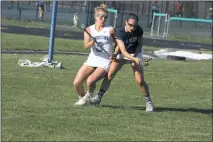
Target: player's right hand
93, 39
137, 61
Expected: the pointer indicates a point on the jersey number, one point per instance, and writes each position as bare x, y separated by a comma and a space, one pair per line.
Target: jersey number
129, 46
98, 49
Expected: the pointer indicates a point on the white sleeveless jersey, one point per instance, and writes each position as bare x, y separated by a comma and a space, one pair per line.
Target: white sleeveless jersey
104, 38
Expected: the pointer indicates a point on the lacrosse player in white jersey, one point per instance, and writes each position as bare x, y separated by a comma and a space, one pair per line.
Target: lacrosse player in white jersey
98, 63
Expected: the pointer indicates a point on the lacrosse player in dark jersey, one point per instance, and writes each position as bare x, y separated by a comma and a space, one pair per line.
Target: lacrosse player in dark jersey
129, 40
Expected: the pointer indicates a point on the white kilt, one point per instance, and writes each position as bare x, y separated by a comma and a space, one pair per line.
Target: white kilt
98, 62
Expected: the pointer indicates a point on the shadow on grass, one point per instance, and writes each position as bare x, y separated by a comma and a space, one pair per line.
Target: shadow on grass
163, 109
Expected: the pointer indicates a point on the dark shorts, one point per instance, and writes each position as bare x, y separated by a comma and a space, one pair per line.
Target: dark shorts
42, 7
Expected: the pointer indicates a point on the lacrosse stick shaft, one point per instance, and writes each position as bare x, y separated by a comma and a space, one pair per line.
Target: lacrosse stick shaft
130, 61
145, 63
97, 43
148, 60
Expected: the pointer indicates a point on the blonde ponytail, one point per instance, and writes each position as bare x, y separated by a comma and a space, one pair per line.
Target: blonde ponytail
101, 7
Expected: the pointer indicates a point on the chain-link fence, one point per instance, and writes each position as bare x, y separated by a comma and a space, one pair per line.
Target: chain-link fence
28, 10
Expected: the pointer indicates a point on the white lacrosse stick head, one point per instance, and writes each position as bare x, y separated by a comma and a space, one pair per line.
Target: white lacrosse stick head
146, 64
75, 19
82, 26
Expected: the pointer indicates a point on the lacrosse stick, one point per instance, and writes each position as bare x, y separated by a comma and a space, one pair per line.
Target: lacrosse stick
82, 27
146, 63
141, 63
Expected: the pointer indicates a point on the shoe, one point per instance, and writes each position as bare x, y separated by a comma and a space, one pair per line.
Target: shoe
96, 100
79, 98
149, 106
82, 101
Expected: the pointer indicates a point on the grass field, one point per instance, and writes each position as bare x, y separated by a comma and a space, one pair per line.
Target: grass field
68, 26
37, 103
31, 42
38, 24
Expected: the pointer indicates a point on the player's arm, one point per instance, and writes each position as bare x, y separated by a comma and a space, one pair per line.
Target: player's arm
125, 53
114, 55
116, 48
88, 42
140, 43
112, 32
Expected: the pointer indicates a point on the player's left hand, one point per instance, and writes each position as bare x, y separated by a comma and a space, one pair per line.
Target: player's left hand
113, 57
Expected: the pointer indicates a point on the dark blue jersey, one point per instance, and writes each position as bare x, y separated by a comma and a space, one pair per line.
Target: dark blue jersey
130, 39
41, 3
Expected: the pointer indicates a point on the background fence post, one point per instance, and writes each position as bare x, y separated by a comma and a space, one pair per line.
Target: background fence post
52, 31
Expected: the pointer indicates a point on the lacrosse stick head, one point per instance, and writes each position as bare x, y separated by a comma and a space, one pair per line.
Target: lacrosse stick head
146, 63
75, 19
76, 23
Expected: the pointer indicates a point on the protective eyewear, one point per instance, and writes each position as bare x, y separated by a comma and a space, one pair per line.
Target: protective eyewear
101, 16
131, 25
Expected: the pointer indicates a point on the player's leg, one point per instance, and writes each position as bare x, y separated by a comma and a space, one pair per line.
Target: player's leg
101, 69
81, 76
114, 68
98, 74
144, 88
40, 11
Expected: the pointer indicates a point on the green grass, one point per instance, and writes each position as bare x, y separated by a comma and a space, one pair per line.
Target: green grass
68, 26
39, 24
30, 42
191, 38
37, 103
24, 23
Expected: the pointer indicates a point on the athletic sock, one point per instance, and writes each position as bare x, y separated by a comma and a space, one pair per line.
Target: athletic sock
147, 98
101, 93
89, 94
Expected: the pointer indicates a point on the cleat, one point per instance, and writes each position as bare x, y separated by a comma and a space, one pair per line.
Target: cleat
82, 101
149, 106
96, 100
